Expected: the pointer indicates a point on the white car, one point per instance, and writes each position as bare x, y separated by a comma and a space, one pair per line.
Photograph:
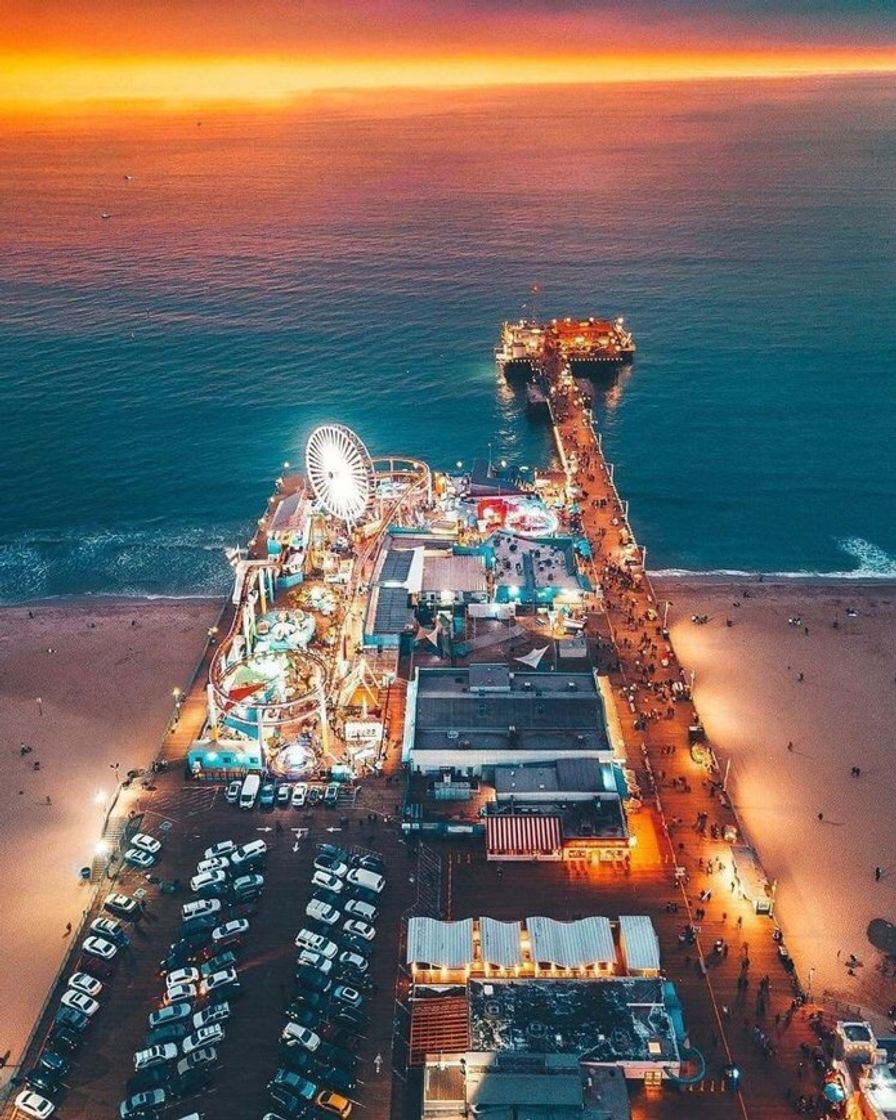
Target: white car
311, 959
207, 879
180, 992
326, 881
361, 929
205, 1036
108, 928
99, 947
248, 854
232, 793
182, 976
230, 931
227, 977
322, 912
146, 843
80, 1002
299, 795
143, 1104
215, 1013
200, 907
354, 960
89, 985
359, 909
33, 1104
138, 858
307, 1037
155, 1055
308, 939
213, 863
222, 848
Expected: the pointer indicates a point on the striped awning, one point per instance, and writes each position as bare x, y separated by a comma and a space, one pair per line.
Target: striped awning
522, 835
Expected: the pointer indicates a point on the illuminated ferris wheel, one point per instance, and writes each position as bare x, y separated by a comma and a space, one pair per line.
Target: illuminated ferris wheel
340, 471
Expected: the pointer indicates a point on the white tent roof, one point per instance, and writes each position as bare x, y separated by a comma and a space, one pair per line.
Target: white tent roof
589, 941
639, 944
440, 944
500, 943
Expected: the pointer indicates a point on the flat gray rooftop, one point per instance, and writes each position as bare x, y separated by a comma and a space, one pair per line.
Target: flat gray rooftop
560, 711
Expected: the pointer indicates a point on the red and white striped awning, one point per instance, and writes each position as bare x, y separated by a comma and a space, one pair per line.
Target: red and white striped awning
518, 835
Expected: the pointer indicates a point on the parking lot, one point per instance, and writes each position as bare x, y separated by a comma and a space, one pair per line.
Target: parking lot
189, 818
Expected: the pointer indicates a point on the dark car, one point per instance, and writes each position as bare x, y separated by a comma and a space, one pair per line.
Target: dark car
192, 1081
334, 851
64, 1038
143, 1080
335, 1056
71, 1017
297, 1059
242, 909
170, 1032
370, 862
201, 923
303, 1016
350, 1017
355, 890
355, 944
294, 1083
312, 980
179, 955
139, 1106
218, 962
339, 1036
312, 1000
54, 1063
329, 897
339, 1079
288, 1104
42, 1081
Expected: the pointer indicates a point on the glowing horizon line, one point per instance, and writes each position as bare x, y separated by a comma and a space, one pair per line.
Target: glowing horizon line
48, 81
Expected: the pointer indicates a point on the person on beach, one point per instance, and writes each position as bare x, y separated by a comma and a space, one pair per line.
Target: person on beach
877, 874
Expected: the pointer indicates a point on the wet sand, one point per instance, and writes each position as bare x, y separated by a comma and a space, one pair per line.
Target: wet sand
105, 697
842, 714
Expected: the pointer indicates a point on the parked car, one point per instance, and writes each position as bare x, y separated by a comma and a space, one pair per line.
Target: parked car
225, 981
360, 909
141, 1106
334, 1103
42, 1081
322, 912
308, 958
314, 795
136, 857
110, 929
53, 1063
156, 1077
200, 907
214, 1013
370, 861
359, 928
155, 1055
331, 864
297, 1059
267, 796
73, 1018
207, 1056
230, 931
187, 975
288, 1103
232, 793
299, 795
299, 1086
342, 1080
327, 882
173, 1013
33, 1104
209, 1035
65, 1038
80, 1002
308, 939
179, 993
146, 843
247, 887
247, 855
122, 905
180, 953
331, 794
89, 985
201, 923
356, 944
168, 1032
348, 959
369, 880
299, 1012
205, 879
214, 863
312, 980
350, 996
284, 793
312, 1001
327, 898
326, 849
218, 963
222, 848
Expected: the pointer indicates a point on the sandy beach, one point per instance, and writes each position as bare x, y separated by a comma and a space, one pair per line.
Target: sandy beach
763, 683
85, 685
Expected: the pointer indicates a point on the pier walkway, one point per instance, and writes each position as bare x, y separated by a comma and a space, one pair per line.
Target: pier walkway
732, 1017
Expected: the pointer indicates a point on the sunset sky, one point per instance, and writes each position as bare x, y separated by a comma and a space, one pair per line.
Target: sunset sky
68, 51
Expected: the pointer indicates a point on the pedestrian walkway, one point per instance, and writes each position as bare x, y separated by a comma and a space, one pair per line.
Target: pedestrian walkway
740, 1002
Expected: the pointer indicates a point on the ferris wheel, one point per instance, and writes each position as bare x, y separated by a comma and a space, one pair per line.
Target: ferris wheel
340, 471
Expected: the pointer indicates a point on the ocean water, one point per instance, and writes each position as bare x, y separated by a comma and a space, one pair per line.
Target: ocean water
351, 259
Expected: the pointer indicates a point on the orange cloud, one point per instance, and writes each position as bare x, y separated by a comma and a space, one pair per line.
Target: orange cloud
31, 81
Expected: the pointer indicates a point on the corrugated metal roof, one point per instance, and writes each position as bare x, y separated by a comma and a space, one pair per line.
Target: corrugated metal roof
500, 943
440, 944
639, 944
396, 565
589, 941
392, 615
521, 835
454, 573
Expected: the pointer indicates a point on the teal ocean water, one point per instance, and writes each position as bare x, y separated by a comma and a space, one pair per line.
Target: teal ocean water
352, 260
